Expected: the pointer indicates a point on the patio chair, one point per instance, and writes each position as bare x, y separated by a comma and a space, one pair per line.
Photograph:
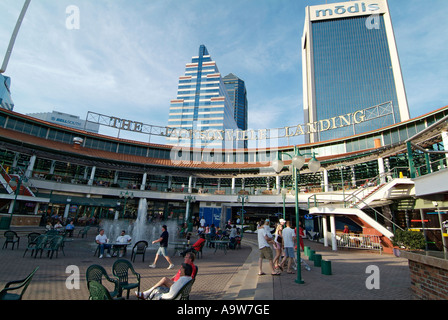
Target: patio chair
98, 292
120, 269
184, 293
197, 252
139, 248
52, 247
32, 242
96, 272
41, 243
83, 232
11, 237
19, 284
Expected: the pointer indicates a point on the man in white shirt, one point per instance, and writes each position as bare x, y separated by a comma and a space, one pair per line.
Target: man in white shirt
289, 237
123, 238
102, 241
265, 250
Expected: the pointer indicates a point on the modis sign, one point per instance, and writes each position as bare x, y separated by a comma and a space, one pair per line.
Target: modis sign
347, 9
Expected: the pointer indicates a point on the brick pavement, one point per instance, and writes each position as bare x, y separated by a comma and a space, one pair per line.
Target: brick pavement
231, 276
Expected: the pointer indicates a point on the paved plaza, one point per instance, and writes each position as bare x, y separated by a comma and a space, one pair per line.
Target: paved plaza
231, 275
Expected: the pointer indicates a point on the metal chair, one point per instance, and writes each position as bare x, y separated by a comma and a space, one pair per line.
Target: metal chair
54, 246
96, 272
11, 237
139, 248
120, 269
19, 284
41, 243
184, 293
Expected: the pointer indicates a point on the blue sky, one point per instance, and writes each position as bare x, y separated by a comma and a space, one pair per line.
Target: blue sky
126, 57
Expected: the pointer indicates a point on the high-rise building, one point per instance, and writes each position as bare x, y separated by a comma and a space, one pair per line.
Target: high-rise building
236, 90
350, 62
5, 93
202, 107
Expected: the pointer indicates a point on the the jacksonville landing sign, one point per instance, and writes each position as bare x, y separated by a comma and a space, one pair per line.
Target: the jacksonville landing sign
349, 119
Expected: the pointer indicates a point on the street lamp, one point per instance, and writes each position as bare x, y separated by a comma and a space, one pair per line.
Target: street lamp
242, 198
298, 160
126, 195
188, 199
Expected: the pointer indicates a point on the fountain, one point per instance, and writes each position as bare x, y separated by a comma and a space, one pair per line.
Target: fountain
140, 229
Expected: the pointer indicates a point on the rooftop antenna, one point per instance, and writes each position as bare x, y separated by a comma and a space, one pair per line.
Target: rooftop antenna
14, 35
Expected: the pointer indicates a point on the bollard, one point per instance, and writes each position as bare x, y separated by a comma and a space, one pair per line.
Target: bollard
306, 251
326, 267
311, 255
317, 260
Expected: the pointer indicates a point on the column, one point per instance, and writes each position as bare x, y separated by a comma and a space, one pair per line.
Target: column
445, 144
53, 166
170, 182
116, 177
233, 186
92, 176
29, 170
219, 183
334, 245
381, 171
325, 185
277, 184
190, 181
143, 185
324, 229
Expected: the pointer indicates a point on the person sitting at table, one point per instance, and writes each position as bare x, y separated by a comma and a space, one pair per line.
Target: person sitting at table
102, 240
195, 247
58, 226
69, 228
166, 284
123, 238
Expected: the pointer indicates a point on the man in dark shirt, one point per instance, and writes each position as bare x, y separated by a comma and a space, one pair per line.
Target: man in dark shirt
163, 240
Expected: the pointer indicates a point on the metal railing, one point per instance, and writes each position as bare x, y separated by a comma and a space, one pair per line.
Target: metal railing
358, 241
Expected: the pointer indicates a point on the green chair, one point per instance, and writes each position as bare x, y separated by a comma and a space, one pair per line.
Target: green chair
83, 232
184, 293
98, 292
96, 273
19, 285
41, 243
32, 242
139, 248
11, 237
120, 269
54, 246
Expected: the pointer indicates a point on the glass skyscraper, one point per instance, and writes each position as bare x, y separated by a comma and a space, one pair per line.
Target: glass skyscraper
202, 107
350, 63
5, 93
236, 90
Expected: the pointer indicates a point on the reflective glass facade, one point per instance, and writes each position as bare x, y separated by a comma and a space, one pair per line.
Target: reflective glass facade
5, 93
352, 71
350, 64
202, 103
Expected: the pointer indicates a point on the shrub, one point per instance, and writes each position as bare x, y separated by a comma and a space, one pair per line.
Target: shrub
411, 240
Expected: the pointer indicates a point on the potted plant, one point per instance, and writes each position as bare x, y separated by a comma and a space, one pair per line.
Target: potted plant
407, 240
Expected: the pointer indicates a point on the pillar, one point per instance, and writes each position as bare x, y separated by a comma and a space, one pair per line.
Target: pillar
233, 185
381, 170
325, 185
334, 245
277, 184
116, 177
92, 176
324, 230
190, 181
29, 170
143, 185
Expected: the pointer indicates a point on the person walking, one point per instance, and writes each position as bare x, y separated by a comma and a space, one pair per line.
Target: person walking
265, 250
163, 240
289, 237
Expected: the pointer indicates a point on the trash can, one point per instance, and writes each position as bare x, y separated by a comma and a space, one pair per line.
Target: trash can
311, 255
317, 260
5, 223
326, 267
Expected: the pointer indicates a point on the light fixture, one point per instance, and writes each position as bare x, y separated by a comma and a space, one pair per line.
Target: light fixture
277, 165
298, 161
314, 165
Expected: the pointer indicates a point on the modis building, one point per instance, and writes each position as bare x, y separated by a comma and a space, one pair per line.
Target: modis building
350, 62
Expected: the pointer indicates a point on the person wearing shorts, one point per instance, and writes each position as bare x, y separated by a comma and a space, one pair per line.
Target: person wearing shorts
163, 240
289, 236
265, 250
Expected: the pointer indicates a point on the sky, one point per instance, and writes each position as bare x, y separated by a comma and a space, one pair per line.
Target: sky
126, 57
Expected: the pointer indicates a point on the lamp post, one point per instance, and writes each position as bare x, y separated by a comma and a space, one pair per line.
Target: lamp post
297, 163
242, 198
126, 195
188, 199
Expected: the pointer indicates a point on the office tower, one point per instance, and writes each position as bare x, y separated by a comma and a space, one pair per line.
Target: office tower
202, 110
236, 90
350, 62
5, 93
